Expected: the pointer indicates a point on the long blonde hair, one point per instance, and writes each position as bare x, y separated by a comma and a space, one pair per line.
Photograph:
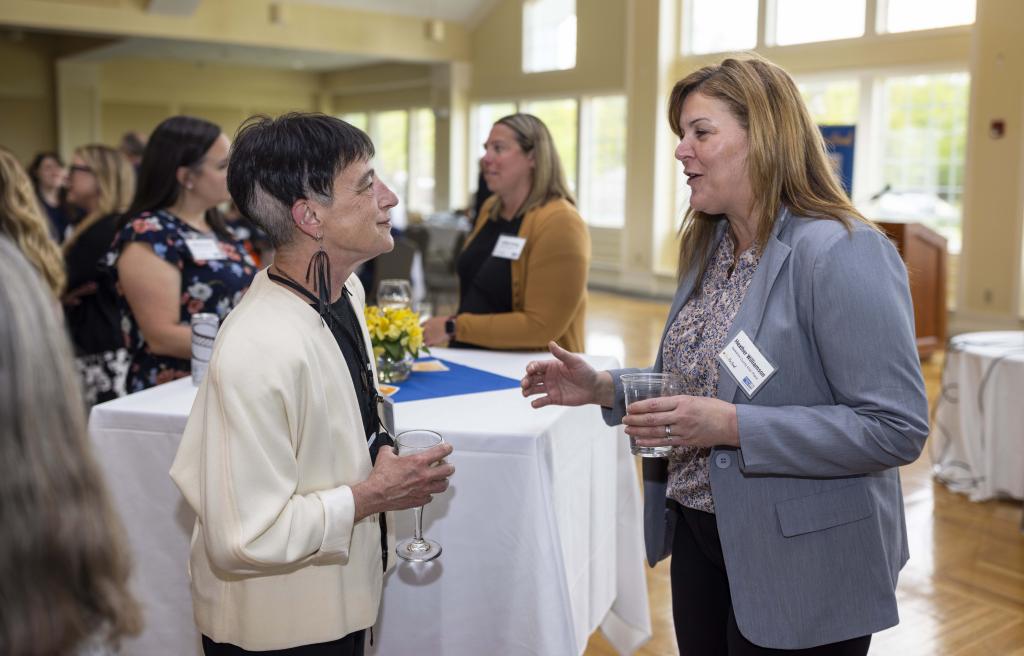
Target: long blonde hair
787, 161
22, 220
115, 182
548, 178
64, 568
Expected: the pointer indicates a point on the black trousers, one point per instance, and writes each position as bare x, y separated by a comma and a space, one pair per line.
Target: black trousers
701, 602
350, 645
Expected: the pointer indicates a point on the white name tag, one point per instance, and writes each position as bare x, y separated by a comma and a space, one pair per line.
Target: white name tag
509, 247
204, 248
746, 364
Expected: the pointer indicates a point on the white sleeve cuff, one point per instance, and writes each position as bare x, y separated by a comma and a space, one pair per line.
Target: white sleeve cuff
339, 518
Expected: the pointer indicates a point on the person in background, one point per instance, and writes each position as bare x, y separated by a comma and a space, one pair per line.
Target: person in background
64, 568
23, 223
133, 146
101, 184
523, 269
792, 331
284, 459
48, 177
174, 255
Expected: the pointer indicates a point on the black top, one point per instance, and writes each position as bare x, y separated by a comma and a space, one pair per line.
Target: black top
94, 319
61, 218
485, 281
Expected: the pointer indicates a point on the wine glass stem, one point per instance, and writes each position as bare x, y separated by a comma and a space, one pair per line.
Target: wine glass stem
418, 531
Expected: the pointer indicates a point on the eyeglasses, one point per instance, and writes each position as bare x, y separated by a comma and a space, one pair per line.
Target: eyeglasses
76, 167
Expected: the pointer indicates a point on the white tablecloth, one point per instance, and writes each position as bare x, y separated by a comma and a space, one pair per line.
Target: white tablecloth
541, 526
978, 436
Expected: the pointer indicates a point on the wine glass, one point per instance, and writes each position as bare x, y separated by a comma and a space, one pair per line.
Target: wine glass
394, 293
417, 549
643, 386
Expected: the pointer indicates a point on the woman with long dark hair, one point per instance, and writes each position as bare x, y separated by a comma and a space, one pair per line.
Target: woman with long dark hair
174, 255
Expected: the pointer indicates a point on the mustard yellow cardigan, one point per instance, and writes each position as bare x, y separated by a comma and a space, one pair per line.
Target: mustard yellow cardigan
549, 284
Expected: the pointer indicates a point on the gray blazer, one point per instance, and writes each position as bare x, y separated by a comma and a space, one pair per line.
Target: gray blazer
809, 508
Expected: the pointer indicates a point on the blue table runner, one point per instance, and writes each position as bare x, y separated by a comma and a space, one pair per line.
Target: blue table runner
459, 379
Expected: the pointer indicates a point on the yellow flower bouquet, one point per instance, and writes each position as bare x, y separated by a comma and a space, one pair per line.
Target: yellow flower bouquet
397, 340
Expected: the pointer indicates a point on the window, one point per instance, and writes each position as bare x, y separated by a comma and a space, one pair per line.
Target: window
390, 134
421, 161
831, 102
719, 26
561, 118
923, 150
358, 119
603, 162
805, 21
908, 15
549, 35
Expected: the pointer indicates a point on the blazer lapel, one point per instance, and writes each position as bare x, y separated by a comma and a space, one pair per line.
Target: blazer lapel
751, 311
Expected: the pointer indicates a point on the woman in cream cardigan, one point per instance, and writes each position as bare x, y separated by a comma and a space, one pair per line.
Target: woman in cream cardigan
523, 270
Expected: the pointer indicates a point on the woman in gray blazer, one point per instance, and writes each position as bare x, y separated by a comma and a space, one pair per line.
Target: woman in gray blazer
793, 332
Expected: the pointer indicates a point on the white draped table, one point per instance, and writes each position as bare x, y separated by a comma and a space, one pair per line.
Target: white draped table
541, 526
978, 437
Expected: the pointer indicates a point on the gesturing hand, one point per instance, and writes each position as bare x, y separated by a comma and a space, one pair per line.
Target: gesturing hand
566, 380
691, 420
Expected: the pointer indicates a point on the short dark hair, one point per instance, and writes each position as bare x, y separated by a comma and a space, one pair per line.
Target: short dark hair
177, 141
277, 161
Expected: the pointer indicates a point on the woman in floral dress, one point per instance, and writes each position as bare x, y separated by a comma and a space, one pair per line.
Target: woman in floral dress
174, 255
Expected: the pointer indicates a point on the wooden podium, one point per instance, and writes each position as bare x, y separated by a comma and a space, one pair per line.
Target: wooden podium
924, 252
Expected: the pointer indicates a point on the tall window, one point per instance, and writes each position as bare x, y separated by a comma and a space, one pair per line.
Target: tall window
358, 119
602, 200
831, 102
561, 117
719, 25
549, 35
923, 150
421, 160
804, 21
390, 134
908, 15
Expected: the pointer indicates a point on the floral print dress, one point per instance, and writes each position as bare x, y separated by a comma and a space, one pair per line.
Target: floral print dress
214, 286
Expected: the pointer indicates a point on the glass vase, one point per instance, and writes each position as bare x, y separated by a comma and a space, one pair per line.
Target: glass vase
393, 371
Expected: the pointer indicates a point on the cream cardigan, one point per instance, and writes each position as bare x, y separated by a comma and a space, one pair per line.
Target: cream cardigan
272, 445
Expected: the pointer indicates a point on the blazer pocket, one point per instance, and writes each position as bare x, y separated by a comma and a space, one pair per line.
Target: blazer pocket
818, 512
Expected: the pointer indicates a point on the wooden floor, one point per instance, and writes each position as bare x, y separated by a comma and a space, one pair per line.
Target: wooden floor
961, 594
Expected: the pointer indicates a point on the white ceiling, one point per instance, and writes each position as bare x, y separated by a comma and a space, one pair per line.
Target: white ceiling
192, 51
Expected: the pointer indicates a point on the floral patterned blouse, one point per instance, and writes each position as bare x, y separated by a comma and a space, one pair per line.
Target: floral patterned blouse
691, 350
206, 286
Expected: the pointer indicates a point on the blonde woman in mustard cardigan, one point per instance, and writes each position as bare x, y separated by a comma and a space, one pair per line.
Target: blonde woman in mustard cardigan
523, 270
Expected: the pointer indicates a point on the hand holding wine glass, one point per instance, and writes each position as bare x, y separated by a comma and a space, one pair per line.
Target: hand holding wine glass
417, 548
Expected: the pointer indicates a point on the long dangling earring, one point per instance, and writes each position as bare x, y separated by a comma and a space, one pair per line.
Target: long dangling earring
320, 270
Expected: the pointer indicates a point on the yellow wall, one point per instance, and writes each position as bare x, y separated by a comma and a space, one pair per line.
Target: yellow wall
496, 51
27, 97
990, 291
136, 94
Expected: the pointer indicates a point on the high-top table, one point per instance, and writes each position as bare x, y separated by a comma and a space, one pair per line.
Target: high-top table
541, 526
978, 437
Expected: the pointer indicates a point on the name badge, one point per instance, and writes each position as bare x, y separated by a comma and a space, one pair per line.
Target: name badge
746, 364
204, 248
509, 247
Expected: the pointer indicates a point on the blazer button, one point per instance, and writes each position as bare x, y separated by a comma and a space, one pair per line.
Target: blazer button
723, 460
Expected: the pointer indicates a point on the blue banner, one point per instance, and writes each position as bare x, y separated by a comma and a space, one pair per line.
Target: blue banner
840, 140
